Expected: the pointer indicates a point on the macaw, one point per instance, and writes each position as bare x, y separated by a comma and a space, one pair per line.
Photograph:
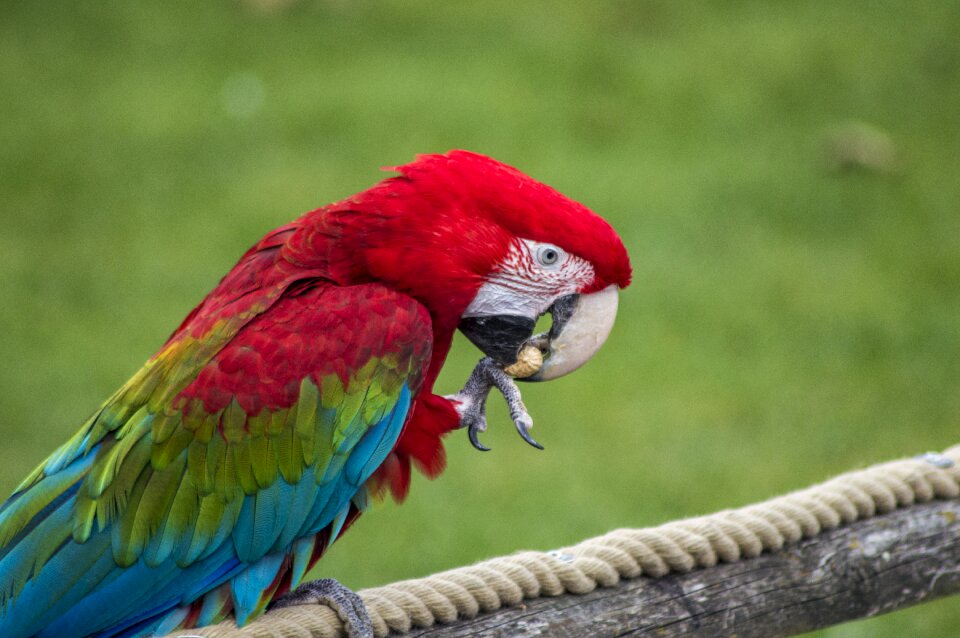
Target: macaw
214, 479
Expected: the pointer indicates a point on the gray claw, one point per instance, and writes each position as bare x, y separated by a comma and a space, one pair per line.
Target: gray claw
327, 591
472, 432
525, 434
471, 403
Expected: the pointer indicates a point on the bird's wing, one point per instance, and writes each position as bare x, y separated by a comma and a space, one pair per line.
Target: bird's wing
208, 466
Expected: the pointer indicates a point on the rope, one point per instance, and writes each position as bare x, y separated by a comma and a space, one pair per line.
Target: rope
680, 546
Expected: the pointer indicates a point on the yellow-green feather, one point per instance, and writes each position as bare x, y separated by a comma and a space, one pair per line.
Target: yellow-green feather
306, 422
263, 458
233, 422
128, 542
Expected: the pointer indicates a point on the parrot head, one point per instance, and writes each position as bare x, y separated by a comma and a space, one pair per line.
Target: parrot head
486, 249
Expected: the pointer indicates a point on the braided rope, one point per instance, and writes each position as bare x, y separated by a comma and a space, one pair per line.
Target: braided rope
680, 546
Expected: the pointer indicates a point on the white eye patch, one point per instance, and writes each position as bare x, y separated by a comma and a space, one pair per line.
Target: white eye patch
528, 279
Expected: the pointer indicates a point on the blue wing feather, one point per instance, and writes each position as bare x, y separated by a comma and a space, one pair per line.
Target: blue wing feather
269, 520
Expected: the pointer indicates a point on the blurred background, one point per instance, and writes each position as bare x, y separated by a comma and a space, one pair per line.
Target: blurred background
784, 176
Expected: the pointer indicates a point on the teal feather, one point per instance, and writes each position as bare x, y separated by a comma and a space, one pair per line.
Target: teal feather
314, 520
172, 621
377, 442
27, 508
261, 521
66, 580
214, 605
337, 525
266, 518
248, 587
302, 552
65, 455
20, 563
301, 500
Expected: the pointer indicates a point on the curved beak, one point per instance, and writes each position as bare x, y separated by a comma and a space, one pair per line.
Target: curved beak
581, 324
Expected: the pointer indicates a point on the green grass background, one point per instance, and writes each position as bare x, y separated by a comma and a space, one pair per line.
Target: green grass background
786, 322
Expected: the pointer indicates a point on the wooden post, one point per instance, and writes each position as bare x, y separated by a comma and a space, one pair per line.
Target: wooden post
861, 570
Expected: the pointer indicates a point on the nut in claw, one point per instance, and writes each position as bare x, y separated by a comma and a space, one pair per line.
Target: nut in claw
528, 363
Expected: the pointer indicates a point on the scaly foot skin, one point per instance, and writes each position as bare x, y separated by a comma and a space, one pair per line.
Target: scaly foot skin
471, 402
327, 591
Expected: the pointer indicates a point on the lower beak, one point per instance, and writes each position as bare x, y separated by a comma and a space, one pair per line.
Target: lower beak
500, 337
581, 324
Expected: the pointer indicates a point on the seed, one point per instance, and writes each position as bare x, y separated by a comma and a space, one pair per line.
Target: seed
528, 363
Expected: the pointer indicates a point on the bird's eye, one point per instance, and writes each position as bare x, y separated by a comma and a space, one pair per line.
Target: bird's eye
549, 255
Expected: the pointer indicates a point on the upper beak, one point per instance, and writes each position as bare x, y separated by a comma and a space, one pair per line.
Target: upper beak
581, 324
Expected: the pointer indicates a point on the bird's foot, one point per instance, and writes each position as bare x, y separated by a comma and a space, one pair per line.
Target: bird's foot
471, 402
327, 591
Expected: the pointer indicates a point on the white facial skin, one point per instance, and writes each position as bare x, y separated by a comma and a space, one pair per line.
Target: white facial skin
530, 278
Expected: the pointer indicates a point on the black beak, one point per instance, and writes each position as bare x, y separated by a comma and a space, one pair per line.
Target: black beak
501, 337
560, 313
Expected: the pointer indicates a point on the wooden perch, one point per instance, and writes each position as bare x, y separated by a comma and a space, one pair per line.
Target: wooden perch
867, 568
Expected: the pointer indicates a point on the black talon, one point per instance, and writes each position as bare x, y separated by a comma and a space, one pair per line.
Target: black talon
473, 398
525, 435
472, 433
